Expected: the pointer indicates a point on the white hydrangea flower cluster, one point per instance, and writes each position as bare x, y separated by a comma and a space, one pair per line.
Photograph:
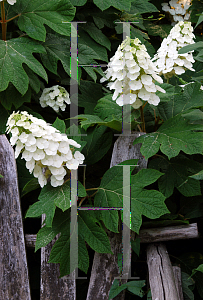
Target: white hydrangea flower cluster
56, 97
11, 2
178, 10
132, 75
47, 152
167, 59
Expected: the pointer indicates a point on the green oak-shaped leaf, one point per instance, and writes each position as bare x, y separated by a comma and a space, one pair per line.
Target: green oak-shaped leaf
121, 4
181, 101
14, 53
50, 197
34, 14
88, 231
174, 135
57, 49
61, 250
11, 96
176, 175
149, 203
87, 99
98, 143
108, 113
142, 6
97, 35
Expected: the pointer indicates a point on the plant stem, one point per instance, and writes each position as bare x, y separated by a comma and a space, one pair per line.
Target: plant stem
92, 189
142, 118
3, 21
84, 171
13, 18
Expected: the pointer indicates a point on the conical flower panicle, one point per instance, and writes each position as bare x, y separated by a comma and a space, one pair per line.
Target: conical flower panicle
132, 75
47, 152
167, 59
178, 10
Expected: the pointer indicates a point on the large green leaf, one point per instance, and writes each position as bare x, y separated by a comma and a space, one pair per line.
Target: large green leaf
78, 2
14, 53
97, 35
87, 99
176, 175
61, 250
186, 283
88, 231
57, 49
90, 120
149, 203
50, 197
86, 39
34, 14
191, 47
108, 113
98, 143
60, 125
121, 4
11, 96
142, 6
174, 135
181, 101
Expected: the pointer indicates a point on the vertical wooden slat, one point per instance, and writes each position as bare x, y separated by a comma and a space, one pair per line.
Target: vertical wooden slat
161, 276
53, 287
14, 280
105, 266
178, 281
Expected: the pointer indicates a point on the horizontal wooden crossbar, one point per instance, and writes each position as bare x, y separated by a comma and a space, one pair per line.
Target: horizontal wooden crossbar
148, 235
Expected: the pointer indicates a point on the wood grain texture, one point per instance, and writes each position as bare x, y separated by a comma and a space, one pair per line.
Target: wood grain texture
169, 233
149, 235
178, 281
51, 286
14, 283
105, 266
161, 276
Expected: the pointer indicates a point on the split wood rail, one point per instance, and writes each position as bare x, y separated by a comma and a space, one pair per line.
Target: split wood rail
14, 274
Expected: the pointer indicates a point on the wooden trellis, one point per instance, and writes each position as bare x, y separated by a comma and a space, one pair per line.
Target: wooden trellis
14, 283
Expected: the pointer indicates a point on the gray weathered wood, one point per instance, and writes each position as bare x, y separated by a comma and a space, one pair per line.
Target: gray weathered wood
149, 235
169, 233
161, 276
52, 287
124, 150
178, 281
14, 283
105, 266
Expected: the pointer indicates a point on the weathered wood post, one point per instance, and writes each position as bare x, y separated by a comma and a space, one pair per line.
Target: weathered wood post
14, 283
52, 287
161, 276
105, 266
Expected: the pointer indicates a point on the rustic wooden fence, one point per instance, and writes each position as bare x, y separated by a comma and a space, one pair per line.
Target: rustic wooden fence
165, 280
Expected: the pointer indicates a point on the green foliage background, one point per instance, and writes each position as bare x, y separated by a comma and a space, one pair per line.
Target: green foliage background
35, 55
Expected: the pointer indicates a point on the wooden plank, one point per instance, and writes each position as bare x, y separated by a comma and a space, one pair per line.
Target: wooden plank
52, 287
105, 266
14, 283
161, 276
149, 235
178, 281
169, 233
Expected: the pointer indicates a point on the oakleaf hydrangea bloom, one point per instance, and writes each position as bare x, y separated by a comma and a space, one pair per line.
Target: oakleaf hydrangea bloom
178, 10
47, 152
132, 75
11, 2
167, 59
56, 97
